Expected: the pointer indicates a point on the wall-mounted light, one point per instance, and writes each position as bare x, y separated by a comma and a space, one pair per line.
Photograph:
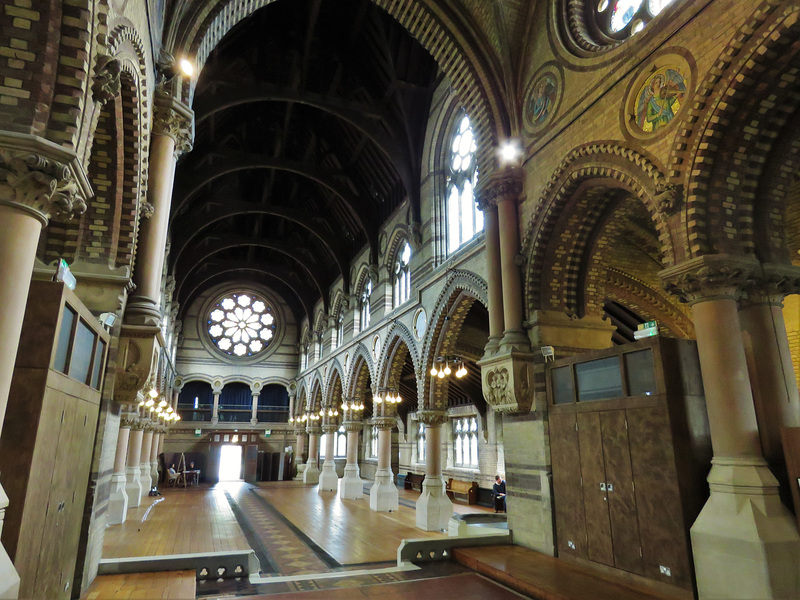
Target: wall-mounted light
509, 153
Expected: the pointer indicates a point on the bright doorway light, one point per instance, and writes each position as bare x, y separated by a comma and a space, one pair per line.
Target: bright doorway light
230, 463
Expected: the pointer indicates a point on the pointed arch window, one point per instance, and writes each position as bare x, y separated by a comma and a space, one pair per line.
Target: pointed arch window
304, 357
340, 329
402, 276
364, 309
465, 442
464, 220
373, 442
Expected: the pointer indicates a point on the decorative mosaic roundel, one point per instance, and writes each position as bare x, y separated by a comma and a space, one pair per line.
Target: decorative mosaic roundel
541, 99
241, 324
660, 98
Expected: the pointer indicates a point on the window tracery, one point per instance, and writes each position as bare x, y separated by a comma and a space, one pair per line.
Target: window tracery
241, 324
465, 442
464, 220
402, 276
620, 19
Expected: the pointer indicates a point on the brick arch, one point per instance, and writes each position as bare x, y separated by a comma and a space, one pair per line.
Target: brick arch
459, 54
302, 399
335, 372
596, 166
393, 356
398, 236
731, 132
362, 369
316, 397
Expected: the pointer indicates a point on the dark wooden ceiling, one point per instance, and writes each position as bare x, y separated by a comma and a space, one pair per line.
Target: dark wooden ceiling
310, 117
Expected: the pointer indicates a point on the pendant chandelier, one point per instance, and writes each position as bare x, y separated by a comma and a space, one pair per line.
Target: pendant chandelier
445, 365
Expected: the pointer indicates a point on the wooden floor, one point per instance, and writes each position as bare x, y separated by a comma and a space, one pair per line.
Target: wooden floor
174, 585
544, 577
182, 521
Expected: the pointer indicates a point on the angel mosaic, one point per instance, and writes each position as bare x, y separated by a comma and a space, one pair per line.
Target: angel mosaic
660, 99
542, 100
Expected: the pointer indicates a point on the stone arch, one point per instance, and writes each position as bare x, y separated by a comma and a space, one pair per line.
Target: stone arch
737, 153
302, 400
604, 169
335, 389
452, 45
361, 370
463, 289
316, 396
334, 370
388, 368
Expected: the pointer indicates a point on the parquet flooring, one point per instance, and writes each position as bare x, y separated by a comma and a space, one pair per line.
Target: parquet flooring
182, 521
172, 585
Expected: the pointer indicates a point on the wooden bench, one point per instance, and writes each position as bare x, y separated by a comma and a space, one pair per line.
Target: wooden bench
414, 482
464, 492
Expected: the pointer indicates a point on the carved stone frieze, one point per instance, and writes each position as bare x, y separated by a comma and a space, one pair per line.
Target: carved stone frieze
771, 283
173, 118
106, 83
710, 277
353, 426
384, 423
507, 381
501, 186
432, 418
137, 363
41, 185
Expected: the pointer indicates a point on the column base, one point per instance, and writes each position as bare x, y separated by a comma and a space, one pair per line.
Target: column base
383, 496
492, 346
328, 479
214, 420
434, 508
351, 487
118, 500
311, 474
745, 541
154, 473
515, 340
253, 421
300, 470
133, 487
9, 579
144, 479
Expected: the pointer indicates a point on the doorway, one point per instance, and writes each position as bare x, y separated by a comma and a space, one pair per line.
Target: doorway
230, 463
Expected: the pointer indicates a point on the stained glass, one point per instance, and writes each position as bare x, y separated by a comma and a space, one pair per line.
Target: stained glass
623, 13
241, 324
656, 6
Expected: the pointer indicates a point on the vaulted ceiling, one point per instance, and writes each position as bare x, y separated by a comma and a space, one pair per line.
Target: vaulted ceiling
310, 117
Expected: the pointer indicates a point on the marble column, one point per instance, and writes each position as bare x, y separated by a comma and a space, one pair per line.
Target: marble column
154, 457
170, 137
328, 479
383, 496
38, 179
133, 473
145, 479
215, 409
434, 508
494, 277
352, 486
299, 452
254, 416
118, 498
311, 473
745, 542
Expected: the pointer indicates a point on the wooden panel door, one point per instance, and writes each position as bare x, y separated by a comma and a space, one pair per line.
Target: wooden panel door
214, 453
619, 486
595, 501
567, 488
250, 463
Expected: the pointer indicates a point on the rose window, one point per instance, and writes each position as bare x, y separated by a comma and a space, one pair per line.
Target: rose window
619, 19
241, 324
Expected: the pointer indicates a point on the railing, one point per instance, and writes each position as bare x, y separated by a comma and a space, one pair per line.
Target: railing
433, 549
206, 565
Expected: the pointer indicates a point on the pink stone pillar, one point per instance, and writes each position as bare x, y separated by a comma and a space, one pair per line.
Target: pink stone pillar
494, 276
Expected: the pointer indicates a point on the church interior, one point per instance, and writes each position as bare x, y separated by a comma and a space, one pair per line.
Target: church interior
400, 298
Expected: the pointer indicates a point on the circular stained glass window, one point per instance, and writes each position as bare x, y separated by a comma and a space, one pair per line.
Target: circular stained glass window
241, 324
619, 19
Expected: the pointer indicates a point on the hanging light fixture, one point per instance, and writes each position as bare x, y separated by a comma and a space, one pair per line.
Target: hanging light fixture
444, 365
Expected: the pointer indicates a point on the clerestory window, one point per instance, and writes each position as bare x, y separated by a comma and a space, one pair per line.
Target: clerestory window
464, 220
402, 276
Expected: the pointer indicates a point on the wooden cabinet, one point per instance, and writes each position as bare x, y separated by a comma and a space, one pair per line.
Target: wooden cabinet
46, 446
630, 452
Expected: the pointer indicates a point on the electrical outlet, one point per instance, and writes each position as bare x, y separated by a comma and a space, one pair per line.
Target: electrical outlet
571, 545
665, 570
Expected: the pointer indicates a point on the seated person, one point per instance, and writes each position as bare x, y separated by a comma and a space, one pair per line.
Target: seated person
172, 475
499, 493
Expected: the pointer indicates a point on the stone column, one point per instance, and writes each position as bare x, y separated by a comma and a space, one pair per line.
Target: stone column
254, 416
383, 496
298, 455
215, 409
745, 542
171, 135
772, 375
133, 473
434, 508
38, 179
144, 461
154, 457
352, 486
311, 473
495, 283
328, 479
118, 499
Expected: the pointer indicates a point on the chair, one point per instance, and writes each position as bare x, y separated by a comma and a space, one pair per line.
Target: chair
172, 479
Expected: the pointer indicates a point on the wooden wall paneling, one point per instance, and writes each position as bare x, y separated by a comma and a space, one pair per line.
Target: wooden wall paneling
595, 502
214, 452
567, 488
664, 536
250, 463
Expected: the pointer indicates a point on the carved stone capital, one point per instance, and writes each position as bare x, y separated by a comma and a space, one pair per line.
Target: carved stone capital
41, 178
771, 284
432, 418
507, 381
137, 362
300, 430
668, 198
313, 429
330, 428
710, 277
501, 186
353, 426
384, 423
106, 80
173, 118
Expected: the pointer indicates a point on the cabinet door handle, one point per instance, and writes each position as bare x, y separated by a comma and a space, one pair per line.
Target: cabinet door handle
610, 487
